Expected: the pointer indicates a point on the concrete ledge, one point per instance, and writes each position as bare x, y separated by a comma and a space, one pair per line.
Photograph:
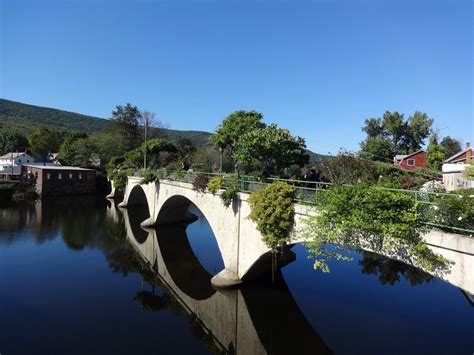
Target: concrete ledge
122, 204
226, 279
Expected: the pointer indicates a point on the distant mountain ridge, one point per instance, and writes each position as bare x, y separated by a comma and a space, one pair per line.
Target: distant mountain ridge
26, 117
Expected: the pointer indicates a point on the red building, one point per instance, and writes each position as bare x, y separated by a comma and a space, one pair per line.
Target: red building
411, 161
57, 180
465, 156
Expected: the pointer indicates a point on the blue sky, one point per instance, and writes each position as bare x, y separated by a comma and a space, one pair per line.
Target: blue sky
318, 68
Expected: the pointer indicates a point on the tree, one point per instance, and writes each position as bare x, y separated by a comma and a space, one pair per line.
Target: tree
275, 148
73, 148
235, 125
346, 168
185, 151
378, 148
124, 121
436, 155
107, 145
147, 119
419, 128
153, 148
44, 140
12, 140
392, 134
469, 172
451, 146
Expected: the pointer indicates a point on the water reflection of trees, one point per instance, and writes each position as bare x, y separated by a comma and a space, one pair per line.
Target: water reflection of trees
390, 271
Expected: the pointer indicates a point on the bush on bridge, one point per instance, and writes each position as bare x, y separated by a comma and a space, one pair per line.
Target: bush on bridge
363, 217
120, 178
230, 194
456, 210
273, 211
148, 176
214, 185
200, 182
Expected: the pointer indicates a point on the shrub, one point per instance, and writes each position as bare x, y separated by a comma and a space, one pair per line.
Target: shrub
364, 217
214, 185
456, 210
273, 211
120, 178
229, 195
200, 182
148, 176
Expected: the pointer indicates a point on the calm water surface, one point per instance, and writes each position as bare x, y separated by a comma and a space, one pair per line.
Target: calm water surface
79, 276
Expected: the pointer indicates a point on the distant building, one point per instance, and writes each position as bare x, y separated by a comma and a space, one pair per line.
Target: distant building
453, 169
55, 180
411, 161
10, 165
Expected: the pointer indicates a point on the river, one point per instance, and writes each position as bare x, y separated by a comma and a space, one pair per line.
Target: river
79, 276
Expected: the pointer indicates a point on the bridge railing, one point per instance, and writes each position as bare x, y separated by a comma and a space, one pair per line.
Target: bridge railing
309, 192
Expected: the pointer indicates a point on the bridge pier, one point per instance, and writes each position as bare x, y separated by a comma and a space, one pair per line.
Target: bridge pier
226, 279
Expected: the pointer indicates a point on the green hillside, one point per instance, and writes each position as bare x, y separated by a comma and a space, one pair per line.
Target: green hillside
26, 117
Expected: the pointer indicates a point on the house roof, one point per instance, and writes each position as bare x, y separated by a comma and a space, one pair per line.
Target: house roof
14, 155
56, 167
458, 154
403, 157
400, 156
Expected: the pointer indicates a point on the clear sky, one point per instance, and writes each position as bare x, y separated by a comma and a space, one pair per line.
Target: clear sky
318, 68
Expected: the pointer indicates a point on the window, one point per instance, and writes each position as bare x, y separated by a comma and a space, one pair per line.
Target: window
27, 160
19, 160
80, 176
60, 176
70, 176
48, 176
411, 162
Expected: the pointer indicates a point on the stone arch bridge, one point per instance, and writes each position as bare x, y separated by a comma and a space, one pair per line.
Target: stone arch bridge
243, 252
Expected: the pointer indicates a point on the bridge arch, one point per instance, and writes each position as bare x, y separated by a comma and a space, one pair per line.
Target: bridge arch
137, 197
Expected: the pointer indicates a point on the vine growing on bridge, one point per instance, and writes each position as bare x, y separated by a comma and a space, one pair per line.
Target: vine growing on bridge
119, 178
214, 185
386, 222
148, 176
273, 210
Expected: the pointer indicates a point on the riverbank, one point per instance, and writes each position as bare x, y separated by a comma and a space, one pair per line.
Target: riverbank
13, 191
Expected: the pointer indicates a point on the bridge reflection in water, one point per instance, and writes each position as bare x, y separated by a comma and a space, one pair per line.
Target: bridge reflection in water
261, 317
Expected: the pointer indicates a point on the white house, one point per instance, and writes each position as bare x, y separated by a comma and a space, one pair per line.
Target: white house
453, 169
10, 163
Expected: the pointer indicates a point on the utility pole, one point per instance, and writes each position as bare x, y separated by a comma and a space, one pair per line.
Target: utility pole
11, 157
148, 118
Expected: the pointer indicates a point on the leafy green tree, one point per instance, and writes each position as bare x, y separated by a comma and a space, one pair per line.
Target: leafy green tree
419, 128
229, 132
393, 134
12, 140
378, 148
154, 148
451, 146
436, 155
125, 121
44, 140
107, 145
275, 148
71, 152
